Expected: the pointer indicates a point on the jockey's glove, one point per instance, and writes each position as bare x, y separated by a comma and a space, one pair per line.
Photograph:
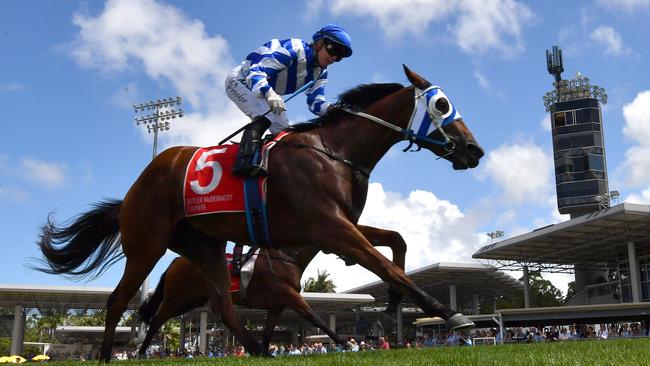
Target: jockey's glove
275, 102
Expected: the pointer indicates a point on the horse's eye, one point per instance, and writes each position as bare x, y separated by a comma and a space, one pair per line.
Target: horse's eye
442, 105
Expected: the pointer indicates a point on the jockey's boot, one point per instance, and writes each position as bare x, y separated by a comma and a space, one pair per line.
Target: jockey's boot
251, 143
236, 260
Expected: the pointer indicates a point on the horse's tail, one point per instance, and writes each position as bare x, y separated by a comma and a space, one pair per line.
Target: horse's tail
90, 244
149, 308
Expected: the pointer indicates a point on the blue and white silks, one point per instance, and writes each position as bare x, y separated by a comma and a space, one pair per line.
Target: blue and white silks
286, 65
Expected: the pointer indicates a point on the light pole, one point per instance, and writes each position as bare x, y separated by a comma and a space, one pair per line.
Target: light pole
495, 235
163, 112
159, 120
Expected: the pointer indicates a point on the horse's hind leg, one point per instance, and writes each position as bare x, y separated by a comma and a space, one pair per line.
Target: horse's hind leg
134, 274
272, 317
208, 254
300, 306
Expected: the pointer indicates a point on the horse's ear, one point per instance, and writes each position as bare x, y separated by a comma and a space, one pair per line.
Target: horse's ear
416, 79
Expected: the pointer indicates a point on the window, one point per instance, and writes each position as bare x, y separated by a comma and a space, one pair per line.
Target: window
596, 162
577, 141
581, 188
587, 115
558, 119
569, 117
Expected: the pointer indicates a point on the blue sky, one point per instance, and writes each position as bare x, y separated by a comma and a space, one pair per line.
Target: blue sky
70, 72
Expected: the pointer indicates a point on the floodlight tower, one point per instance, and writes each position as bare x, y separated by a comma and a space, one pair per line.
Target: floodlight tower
578, 142
159, 120
156, 122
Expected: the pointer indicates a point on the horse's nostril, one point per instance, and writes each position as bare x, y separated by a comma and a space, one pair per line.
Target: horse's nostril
474, 150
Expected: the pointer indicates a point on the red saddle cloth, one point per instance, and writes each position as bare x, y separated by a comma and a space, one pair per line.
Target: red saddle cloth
210, 188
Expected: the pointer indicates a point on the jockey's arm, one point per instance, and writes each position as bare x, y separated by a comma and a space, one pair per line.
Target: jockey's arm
265, 66
316, 96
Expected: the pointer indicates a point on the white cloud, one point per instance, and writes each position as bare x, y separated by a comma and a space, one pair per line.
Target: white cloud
168, 46
625, 5
476, 26
643, 197
312, 9
45, 174
11, 87
637, 128
126, 95
610, 39
522, 171
545, 123
486, 85
434, 229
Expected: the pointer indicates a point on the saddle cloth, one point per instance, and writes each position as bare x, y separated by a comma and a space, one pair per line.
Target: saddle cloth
209, 187
240, 282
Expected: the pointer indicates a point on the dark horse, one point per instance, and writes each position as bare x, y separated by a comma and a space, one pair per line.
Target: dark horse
275, 285
316, 194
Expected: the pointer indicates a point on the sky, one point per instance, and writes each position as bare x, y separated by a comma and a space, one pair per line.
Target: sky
70, 72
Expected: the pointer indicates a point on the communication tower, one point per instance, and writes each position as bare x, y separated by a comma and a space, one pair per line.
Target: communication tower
578, 142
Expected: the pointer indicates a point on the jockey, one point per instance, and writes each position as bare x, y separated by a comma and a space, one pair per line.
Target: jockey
280, 67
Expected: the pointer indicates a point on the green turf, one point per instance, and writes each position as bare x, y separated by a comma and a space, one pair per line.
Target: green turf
611, 352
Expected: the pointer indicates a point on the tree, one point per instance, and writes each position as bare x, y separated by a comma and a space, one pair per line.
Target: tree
570, 292
542, 294
319, 284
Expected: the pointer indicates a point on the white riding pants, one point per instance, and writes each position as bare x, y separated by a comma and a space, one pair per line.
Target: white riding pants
252, 105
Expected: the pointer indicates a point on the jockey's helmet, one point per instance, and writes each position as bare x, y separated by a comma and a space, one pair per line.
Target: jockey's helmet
337, 34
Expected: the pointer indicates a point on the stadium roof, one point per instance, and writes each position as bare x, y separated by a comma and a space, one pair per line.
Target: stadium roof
469, 279
57, 297
588, 240
73, 297
557, 315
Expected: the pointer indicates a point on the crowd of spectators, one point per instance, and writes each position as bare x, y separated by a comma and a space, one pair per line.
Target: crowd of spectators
535, 334
427, 339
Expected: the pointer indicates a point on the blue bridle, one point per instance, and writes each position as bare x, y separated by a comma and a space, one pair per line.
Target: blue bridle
433, 119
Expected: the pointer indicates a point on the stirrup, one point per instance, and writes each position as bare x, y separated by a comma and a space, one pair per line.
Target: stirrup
250, 170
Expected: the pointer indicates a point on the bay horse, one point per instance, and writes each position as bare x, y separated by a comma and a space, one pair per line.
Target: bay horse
274, 286
316, 193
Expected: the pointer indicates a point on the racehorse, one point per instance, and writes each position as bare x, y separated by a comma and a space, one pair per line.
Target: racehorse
316, 193
275, 285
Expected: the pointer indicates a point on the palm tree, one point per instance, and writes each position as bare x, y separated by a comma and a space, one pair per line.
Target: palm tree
319, 284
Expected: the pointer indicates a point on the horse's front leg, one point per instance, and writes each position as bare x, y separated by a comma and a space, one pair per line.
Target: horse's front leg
345, 239
392, 239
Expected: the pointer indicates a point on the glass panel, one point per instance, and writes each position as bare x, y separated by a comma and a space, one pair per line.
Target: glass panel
572, 142
569, 117
596, 162
558, 119
580, 188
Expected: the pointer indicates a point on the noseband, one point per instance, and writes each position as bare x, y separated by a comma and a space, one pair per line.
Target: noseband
435, 117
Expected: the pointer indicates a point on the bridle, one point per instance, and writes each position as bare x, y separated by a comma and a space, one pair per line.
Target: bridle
434, 119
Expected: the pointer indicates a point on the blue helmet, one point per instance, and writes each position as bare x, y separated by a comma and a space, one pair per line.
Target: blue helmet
337, 34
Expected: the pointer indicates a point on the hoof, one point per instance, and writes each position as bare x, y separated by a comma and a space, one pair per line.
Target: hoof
459, 321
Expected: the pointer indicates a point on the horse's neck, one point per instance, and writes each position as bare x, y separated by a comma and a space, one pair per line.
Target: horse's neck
365, 142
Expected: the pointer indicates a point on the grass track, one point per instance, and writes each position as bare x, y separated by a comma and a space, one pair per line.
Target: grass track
611, 352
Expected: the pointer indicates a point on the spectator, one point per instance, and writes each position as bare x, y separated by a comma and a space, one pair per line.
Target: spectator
383, 344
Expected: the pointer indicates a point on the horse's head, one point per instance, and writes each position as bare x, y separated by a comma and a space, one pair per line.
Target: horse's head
442, 130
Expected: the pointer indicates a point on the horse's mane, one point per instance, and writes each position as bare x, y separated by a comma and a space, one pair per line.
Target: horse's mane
356, 99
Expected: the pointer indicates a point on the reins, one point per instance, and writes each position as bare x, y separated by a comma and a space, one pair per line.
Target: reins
407, 133
327, 152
